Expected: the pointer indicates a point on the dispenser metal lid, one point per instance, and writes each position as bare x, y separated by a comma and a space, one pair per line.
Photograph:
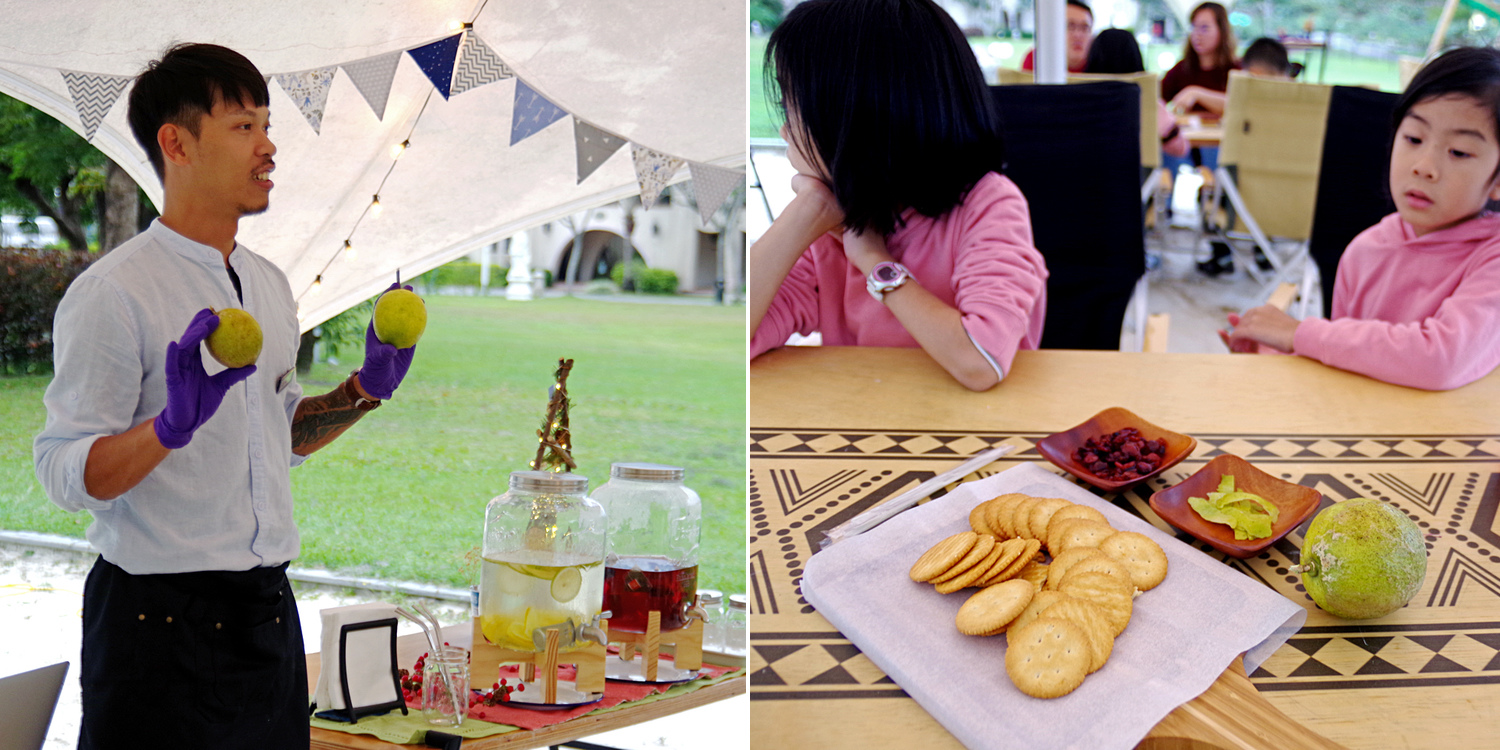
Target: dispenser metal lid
644, 472
548, 481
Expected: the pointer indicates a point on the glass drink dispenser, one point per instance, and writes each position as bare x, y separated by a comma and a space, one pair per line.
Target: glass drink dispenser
652, 559
544, 546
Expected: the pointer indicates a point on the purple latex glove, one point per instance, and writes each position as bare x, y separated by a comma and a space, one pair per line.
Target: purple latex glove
192, 394
385, 365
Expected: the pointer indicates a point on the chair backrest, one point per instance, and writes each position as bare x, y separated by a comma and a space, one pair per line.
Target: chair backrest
1074, 151
1150, 85
1273, 144
27, 701
1354, 178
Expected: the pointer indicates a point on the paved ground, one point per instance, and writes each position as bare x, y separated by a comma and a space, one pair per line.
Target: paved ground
40, 606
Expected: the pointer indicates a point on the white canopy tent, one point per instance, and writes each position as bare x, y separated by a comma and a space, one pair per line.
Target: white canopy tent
667, 78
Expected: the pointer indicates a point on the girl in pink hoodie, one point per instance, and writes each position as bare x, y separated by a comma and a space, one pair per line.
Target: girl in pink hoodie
902, 232
1416, 301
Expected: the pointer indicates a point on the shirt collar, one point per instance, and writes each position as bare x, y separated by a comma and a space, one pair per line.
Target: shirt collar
190, 249
1478, 229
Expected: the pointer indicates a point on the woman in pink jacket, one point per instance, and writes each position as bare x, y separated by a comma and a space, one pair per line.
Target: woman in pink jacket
1417, 298
902, 231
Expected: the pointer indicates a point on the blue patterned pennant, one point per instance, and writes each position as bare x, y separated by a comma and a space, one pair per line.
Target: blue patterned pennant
532, 113
436, 61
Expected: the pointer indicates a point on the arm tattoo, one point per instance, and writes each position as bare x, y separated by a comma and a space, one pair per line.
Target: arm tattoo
320, 419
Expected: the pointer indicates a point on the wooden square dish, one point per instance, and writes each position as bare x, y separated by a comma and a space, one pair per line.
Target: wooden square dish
1061, 447
1295, 503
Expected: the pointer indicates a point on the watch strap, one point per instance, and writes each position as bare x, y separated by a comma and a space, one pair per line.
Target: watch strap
878, 288
360, 402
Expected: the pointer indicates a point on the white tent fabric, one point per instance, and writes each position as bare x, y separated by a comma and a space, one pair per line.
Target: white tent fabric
667, 77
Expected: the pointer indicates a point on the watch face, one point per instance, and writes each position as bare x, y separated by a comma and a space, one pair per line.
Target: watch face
886, 273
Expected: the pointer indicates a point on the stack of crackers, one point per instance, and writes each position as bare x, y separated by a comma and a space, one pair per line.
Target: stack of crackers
1055, 577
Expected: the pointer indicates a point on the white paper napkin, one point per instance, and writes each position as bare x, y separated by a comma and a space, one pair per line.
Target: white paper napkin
369, 654
1181, 637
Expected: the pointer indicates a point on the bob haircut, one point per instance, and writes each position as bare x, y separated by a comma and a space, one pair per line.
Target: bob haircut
1462, 71
891, 98
1224, 53
182, 87
1114, 51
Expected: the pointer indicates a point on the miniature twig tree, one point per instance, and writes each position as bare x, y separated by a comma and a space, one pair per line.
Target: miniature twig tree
554, 442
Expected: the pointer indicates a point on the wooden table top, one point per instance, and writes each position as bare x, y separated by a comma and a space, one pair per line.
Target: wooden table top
834, 430
409, 647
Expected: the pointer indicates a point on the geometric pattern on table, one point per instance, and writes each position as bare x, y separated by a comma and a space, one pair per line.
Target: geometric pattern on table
804, 482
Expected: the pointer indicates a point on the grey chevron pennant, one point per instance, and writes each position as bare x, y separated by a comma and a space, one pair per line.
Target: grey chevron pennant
477, 65
711, 186
594, 147
372, 77
93, 96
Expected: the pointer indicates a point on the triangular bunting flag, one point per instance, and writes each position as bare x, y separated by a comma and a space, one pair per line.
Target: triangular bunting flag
711, 185
93, 95
436, 61
309, 91
594, 147
532, 113
477, 65
652, 171
372, 76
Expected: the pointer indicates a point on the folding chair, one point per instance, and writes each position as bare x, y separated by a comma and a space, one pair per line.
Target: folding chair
1268, 170
1152, 177
1074, 151
1353, 180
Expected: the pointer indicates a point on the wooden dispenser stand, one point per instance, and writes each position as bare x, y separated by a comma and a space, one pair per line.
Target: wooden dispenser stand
487, 659
688, 641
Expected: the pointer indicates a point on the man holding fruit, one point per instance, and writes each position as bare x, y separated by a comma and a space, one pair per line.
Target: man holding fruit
190, 631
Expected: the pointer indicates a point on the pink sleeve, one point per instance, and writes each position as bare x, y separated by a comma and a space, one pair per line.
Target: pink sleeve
1457, 345
793, 310
1177, 145
999, 277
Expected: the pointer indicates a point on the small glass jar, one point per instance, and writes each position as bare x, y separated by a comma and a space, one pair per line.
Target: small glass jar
543, 561
445, 687
712, 604
736, 621
652, 560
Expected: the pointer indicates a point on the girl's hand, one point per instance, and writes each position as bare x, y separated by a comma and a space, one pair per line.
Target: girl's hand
866, 250
1185, 100
1264, 325
814, 206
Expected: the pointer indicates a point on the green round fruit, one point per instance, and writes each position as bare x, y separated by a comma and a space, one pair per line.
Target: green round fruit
1362, 558
237, 340
400, 318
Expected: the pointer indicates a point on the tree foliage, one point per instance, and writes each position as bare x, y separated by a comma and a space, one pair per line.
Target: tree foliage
48, 170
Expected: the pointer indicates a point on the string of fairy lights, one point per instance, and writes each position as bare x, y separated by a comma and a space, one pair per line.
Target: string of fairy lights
373, 208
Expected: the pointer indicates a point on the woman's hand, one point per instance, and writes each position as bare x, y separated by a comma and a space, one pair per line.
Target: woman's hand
1186, 99
814, 206
865, 251
1261, 326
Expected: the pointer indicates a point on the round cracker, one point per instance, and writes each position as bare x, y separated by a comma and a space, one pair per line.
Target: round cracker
993, 609
977, 520
1035, 573
1073, 511
978, 572
1062, 561
1094, 623
1011, 551
1114, 596
1143, 558
1029, 549
1079, 533
1018, 515
1001, 511
1047, 658
983, 545
943, 555
1099, 562
1037, 606
1036, 520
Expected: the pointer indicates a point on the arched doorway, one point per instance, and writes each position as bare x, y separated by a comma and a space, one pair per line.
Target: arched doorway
602, 251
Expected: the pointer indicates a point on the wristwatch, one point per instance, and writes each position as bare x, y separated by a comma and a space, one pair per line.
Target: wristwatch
885, 277
360, 402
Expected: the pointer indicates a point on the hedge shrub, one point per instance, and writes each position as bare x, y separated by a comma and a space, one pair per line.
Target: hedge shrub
32, 282
646, 280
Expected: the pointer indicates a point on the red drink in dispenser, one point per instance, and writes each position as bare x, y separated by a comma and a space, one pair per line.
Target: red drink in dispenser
634, 586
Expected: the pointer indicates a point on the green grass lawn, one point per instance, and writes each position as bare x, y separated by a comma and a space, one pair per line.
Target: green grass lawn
402, 494
1342, 68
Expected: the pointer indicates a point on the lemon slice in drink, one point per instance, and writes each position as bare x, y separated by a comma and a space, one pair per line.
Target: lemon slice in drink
567, 584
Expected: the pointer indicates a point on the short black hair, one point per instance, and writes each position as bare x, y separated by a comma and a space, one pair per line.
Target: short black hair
1268, 52
1463, 71
183, 85
891, 98
1082, 4
1114, 51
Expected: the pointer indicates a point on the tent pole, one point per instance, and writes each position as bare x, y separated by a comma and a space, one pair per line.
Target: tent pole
1442, 28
